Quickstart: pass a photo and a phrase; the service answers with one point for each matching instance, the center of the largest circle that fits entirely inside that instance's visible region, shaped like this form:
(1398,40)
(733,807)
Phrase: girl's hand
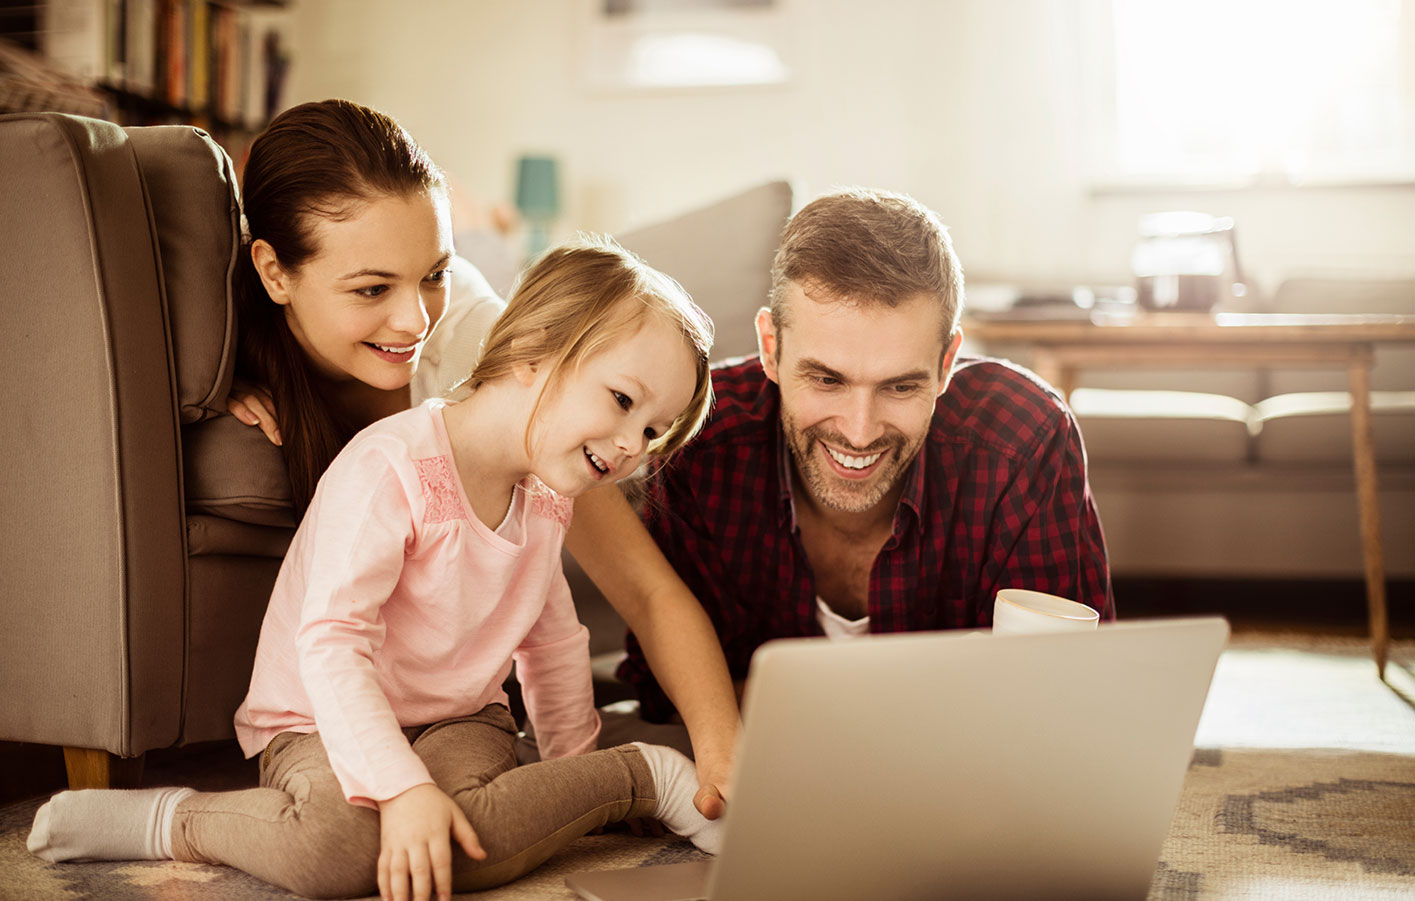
(253,406)
(713,789)
(413,844)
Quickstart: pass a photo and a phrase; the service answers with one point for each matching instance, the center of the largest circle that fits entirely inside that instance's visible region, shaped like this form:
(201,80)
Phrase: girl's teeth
(598,463)
(853,462)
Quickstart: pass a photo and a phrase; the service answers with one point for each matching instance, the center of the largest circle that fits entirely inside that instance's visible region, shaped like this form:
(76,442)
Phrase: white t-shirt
(453,348)
(836,626)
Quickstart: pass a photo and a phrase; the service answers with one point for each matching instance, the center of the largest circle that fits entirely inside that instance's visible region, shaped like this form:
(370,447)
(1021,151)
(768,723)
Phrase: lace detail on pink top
(440,490)
(545,502)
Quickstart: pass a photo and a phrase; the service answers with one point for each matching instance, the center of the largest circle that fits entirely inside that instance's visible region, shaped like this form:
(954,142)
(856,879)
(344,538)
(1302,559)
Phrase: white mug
(1017,611)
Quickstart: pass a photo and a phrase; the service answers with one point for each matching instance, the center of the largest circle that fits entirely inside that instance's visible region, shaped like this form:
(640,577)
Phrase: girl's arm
(553,666)
(618,554)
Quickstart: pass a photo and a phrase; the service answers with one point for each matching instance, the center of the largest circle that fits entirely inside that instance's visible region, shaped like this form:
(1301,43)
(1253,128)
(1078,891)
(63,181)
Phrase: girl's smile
(596,423)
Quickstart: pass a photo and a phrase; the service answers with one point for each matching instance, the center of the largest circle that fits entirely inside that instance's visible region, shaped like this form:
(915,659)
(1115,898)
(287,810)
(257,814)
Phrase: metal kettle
(1186,261)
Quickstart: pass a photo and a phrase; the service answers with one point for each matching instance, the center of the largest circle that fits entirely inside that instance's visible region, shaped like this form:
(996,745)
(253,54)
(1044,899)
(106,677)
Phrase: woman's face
(363,306)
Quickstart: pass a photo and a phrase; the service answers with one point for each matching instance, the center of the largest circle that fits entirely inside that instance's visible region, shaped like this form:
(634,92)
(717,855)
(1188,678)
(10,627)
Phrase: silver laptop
(946,764)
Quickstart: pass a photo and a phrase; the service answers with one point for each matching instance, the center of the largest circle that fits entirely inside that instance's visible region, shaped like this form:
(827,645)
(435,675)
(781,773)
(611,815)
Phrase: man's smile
(854,466)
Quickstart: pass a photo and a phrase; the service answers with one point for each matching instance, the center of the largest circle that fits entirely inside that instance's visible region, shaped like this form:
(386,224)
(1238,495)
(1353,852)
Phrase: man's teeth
(598,463)
(853,462)
(394,350)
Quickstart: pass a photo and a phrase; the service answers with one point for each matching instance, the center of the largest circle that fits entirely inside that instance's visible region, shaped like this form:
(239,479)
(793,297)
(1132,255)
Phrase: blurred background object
(538,199)
(1186,261)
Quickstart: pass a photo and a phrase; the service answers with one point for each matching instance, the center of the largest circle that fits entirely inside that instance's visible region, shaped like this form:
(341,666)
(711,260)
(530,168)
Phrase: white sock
(106,824)
(675,782)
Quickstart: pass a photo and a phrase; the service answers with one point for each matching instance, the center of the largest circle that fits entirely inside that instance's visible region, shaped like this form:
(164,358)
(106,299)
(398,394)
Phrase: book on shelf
(140,40)
(219,63)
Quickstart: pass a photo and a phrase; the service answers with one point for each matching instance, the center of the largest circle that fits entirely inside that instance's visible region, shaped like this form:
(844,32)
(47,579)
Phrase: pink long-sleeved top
(396,606)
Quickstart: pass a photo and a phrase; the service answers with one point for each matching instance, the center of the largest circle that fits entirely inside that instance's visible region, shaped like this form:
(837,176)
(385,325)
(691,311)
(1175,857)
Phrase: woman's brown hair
(314,160)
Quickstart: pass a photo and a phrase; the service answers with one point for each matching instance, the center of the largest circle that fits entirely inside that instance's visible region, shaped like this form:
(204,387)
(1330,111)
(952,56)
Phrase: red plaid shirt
(997,498)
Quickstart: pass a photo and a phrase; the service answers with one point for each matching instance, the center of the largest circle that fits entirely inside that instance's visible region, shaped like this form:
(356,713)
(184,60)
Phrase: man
(858,477)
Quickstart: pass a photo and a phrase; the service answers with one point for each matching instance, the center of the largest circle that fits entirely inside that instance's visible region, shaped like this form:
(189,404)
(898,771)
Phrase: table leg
(1369,506)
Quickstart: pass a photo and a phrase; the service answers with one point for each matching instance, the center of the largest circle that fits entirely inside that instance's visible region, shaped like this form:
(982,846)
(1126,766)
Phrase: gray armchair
(143,526)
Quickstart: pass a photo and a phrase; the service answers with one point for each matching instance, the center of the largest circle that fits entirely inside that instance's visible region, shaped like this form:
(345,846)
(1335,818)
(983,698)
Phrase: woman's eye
(372,291)
(437,277)
(622,399)
(650,433)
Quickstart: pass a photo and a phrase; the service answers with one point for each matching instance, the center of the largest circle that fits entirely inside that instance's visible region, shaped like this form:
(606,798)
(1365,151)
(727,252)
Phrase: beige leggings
(297,831)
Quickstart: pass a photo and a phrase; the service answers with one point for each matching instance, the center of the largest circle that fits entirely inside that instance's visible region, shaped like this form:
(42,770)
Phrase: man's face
(858,385)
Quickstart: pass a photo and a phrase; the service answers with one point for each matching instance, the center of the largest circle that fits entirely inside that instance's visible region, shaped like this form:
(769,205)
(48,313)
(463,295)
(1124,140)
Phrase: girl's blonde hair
(578,299)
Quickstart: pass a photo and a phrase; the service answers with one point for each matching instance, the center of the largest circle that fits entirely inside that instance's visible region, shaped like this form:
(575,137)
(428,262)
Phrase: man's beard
(840,494)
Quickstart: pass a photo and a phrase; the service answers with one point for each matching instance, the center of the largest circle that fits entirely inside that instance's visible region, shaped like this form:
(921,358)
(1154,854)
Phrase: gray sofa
(1247,473)
(130,612)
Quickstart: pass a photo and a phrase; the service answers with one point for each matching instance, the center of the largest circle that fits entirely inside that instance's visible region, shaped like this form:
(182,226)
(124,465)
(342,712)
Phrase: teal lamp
(538,199)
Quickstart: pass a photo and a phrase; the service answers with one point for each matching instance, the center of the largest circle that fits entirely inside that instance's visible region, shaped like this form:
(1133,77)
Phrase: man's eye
(622,399)
(827,381)
(909,388)
(372,291)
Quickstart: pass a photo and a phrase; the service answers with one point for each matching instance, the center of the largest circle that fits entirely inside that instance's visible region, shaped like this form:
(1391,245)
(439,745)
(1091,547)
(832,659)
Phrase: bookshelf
(216,64)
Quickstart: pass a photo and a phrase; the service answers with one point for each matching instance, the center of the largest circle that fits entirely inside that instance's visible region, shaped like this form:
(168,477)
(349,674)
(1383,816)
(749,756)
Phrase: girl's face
(595,424)
(365,304)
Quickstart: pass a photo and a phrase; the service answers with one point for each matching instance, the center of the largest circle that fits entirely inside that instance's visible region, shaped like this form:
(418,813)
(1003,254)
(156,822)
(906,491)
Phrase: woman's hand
(414,847)
(253,406)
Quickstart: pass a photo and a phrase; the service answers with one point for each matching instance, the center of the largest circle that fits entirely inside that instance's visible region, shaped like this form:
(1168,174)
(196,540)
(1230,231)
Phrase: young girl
(428,561)
(350,311)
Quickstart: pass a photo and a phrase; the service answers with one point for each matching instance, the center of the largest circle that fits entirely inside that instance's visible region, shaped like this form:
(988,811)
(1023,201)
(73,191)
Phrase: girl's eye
(372,291)
(437,277)
(650,433)
(622,400)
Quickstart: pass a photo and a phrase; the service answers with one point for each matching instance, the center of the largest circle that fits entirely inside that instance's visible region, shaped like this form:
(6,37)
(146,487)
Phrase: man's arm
(1050,536)
(617,553)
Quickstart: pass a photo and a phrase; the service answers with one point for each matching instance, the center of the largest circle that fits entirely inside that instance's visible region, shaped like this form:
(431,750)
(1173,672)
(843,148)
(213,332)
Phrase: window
(1256,91)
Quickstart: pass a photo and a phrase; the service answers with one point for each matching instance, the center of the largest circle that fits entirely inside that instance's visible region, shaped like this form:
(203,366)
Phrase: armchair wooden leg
(90,768)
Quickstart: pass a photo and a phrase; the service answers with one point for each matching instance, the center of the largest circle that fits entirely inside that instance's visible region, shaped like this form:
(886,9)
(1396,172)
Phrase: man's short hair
(868,247)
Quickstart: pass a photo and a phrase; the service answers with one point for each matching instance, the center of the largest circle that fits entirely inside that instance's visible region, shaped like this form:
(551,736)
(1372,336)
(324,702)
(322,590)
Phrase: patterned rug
(1302,787)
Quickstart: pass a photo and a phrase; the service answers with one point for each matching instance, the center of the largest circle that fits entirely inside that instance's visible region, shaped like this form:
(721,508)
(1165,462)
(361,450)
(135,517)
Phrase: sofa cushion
(1315,427)
(217,536)
(191,189)
(1169,426)
(232,471)
(722,254)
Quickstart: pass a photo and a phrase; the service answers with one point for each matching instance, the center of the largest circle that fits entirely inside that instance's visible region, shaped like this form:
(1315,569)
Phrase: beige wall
(971,105)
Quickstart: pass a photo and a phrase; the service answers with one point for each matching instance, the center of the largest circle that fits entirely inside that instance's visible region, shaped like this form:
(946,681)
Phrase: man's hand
(414,846)
(253,406)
